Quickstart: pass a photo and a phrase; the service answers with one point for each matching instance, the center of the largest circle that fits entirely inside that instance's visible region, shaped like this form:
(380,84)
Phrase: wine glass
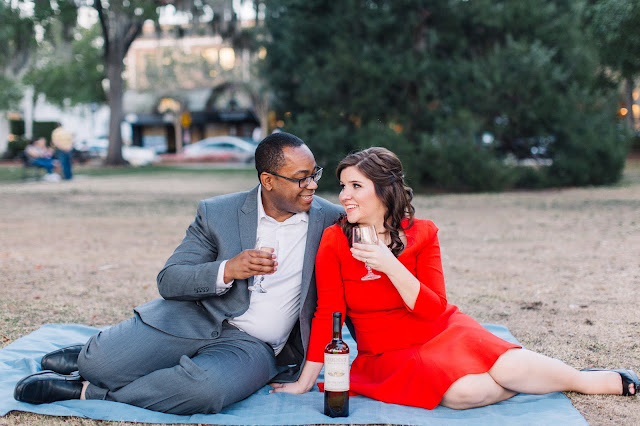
(366,235)
(269,245)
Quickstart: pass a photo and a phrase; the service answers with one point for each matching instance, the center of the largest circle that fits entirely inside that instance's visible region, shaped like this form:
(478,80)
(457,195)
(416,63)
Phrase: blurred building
(184,82)
(187,87)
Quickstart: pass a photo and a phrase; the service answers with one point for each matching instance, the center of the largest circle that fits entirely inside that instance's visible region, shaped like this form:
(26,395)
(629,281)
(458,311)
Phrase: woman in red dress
(414,348)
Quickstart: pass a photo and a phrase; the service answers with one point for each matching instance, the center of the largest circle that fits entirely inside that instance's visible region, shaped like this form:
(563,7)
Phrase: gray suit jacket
(223,227)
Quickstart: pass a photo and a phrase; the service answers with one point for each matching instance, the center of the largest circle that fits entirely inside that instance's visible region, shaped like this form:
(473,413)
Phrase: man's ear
(266,180)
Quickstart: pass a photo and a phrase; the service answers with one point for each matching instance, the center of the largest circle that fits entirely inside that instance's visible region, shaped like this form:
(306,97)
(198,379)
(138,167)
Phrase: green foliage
(17,42)
(461,165)
(615,26)
(11,93)
(526,177)
(46,31)
(16,146)
(429,78)
(16,38)
(57,20)
(72,79)
(588,150)
(454,158)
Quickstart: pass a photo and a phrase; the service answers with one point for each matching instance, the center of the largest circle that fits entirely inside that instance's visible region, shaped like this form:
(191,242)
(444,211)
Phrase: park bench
(30,170)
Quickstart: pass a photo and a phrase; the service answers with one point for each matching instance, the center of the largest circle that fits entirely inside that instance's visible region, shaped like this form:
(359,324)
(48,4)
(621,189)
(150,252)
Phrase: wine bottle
(336,372)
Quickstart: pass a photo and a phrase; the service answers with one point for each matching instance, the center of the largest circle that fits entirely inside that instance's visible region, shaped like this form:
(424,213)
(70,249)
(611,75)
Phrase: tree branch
(131,34)
(104,23)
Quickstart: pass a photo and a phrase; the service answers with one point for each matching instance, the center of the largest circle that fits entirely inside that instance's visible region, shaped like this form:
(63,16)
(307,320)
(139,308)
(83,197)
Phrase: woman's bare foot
(628,382)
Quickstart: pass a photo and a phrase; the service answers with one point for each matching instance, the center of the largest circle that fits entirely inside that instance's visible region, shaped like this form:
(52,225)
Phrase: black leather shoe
(48,386)
(63,361)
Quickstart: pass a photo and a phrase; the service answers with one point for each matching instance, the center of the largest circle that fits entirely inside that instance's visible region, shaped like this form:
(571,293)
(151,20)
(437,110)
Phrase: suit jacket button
(214,334)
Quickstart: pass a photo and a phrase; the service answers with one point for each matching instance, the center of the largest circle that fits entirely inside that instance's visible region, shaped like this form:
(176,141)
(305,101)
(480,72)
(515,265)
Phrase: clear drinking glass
(269,245)
(366,235)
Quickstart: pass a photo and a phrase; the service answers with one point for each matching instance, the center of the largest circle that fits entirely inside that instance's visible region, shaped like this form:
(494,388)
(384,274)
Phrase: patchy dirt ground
(560,269)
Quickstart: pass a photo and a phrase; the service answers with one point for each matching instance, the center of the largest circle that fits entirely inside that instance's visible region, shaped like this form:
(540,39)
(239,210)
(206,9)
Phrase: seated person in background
(39,155)
(414,347)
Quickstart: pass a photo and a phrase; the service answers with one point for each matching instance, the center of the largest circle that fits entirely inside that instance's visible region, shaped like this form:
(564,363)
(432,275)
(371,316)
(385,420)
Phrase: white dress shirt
(272,315)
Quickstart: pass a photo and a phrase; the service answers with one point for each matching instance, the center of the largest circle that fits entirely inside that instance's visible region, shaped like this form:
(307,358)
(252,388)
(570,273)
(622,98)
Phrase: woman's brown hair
(384,169)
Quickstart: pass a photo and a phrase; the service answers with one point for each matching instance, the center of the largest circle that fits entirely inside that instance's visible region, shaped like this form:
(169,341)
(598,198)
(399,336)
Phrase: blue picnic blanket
(22,357)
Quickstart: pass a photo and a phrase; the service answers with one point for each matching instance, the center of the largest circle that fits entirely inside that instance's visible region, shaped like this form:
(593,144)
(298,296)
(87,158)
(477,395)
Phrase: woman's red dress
(405,356)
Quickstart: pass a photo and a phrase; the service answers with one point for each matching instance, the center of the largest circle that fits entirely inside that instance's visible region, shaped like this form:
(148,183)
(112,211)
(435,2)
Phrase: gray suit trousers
(137,364)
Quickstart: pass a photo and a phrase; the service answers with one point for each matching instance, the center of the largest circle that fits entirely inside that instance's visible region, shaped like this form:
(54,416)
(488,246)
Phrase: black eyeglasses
(305,181)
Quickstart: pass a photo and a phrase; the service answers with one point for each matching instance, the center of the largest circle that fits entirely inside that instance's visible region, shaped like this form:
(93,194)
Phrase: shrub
(16,146)
(456,163)
(589,149)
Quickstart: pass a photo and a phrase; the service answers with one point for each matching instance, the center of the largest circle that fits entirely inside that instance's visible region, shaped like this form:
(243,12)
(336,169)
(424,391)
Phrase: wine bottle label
(336,372)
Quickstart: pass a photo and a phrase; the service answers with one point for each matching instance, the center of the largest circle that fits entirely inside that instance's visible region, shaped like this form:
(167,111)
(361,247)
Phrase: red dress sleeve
(432,298)
(330,290)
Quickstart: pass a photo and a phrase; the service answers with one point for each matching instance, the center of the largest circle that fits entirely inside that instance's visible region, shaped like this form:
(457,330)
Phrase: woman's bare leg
(85,384)
(525,371)
(474,390)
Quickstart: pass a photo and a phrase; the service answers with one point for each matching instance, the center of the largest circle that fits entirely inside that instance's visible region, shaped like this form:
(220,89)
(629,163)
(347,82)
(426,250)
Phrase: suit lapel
(314,233)
(248,222)
(248,218)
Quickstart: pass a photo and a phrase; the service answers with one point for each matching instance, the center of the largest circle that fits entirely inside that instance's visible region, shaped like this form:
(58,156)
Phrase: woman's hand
(376,256)
(305,382)
(380,258)
(295,387)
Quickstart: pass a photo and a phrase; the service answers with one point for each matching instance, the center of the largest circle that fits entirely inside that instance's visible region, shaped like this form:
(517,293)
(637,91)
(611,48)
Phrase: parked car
(139,156)
(93,148)
(220,149)
(134,155)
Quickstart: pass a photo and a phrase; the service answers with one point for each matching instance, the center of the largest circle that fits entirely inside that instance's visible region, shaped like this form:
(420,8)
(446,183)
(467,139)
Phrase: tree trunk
(628,88)
(261,107)
(4,131)
(115,56)
(119,32)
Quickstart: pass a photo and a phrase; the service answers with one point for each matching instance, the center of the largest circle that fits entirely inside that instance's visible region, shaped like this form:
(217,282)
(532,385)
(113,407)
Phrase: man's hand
(249,263)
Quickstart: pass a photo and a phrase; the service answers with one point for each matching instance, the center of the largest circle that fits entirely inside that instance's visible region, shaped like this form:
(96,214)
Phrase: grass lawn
(13,172)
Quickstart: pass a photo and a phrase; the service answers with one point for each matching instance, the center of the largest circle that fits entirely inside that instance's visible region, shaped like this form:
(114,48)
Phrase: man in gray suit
(210,341)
